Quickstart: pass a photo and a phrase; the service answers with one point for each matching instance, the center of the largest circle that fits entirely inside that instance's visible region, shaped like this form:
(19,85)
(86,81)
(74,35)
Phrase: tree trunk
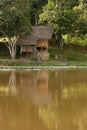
(61,41)
(13,52)
(36,19)
(12,47)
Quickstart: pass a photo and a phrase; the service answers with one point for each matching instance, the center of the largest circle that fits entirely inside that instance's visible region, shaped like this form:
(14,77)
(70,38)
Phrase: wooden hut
(36,42)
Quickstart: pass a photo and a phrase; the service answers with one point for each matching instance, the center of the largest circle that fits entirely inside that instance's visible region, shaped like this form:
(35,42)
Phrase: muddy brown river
(43,99)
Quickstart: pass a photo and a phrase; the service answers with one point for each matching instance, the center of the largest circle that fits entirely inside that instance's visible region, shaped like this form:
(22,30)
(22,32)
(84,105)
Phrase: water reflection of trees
(65,93)
(57,100)
(8,83)
(12,83)
(66,116)
(22,110)
(68,83)
(67,111)
(19,114)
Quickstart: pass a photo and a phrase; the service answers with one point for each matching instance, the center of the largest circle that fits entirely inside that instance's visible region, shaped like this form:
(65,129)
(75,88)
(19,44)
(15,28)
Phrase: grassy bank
(58,57)
(7,62)
(67,55)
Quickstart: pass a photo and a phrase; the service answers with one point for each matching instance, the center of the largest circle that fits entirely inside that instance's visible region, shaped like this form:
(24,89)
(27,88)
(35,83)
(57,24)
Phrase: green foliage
(82,40)
(36,6)
(48,14)
(14,17)
(67,18)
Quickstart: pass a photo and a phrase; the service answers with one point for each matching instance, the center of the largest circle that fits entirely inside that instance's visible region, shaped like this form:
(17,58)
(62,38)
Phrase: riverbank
(68,57)
(42,68)
(20,64)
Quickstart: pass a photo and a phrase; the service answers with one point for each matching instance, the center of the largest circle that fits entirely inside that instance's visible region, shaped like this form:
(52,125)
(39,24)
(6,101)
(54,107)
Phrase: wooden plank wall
(42,43)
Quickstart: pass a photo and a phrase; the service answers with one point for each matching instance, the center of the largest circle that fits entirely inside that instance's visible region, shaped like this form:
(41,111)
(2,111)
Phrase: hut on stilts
(36,43)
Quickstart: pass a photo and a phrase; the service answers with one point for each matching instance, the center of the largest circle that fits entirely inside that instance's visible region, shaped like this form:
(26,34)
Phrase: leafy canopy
(14,17)
(67,17)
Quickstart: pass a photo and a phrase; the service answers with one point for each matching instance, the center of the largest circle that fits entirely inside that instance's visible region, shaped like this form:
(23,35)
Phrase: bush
(82,41)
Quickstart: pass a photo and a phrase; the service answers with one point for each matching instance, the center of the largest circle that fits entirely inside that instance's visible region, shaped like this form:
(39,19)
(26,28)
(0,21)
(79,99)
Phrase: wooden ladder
(36,53)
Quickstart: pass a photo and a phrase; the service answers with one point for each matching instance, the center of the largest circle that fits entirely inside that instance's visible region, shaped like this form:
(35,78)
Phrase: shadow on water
(43,100)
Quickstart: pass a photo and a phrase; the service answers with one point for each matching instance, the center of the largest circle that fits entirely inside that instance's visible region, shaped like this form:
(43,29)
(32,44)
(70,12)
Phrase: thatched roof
(27,40)
(38,33)
(42,32)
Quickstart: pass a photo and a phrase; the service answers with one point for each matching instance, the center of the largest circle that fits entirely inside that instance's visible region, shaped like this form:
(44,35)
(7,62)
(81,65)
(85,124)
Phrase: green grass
(67,55)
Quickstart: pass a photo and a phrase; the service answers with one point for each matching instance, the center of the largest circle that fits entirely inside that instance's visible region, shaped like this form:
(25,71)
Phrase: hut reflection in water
(37,85)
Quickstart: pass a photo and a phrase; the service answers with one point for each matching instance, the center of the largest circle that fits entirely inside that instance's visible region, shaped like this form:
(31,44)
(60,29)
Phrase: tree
(65,18)
(80,30)
(14,19)
(36,6)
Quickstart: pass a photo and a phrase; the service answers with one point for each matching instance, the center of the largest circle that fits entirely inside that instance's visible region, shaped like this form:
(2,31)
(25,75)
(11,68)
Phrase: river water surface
(43,99)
